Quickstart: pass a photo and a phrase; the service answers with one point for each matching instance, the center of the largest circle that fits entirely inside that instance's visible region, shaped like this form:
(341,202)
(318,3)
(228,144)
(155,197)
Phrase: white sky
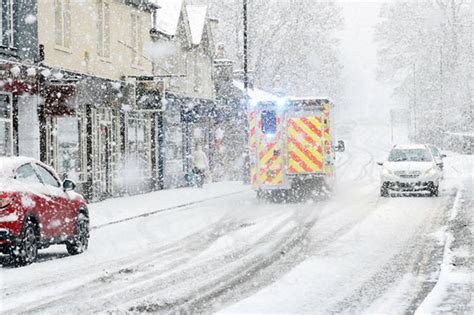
(364,96)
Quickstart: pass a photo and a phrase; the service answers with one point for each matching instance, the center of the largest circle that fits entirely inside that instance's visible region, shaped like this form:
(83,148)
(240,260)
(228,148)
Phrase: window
(7,23)
(6,125)
(137,44)
(103,28)
(62,23)
(26,174)
(412,155)
(269,122)
(46,177)
(138,144)
(173,140)
(68,143)
(435,151)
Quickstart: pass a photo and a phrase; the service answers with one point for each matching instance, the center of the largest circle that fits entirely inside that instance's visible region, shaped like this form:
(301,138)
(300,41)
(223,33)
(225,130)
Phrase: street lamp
(246,179)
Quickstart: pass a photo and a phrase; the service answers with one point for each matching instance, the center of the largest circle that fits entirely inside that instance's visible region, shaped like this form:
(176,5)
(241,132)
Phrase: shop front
(19,125)
(84,138)
(187,122)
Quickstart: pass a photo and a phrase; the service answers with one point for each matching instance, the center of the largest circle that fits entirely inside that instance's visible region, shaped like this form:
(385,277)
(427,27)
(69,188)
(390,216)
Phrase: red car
(37,209)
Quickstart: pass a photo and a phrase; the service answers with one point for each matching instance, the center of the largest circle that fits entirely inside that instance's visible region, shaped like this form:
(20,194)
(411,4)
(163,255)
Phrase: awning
(58,99)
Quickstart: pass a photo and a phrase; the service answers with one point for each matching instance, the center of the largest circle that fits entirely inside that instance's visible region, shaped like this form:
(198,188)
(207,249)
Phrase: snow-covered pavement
(223,250)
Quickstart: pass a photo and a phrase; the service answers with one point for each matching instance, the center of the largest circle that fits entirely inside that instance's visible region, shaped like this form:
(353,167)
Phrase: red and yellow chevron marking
(270,159)
(327,137)
(253,174)
(305,151)
(252,132)
(253,148)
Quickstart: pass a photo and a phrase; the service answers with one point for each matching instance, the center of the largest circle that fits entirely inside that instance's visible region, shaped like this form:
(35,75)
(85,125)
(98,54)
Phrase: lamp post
(246,174)
(245,37)
(414,103)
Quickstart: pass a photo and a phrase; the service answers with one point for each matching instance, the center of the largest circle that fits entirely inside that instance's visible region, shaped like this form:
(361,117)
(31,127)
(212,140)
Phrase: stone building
(183,54)
(91,53)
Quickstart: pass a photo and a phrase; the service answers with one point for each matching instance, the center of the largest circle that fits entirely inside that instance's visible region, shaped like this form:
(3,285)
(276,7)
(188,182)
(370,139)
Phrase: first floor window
(103,28)
(6,126)
(62,23)
(137,43)
(7,23)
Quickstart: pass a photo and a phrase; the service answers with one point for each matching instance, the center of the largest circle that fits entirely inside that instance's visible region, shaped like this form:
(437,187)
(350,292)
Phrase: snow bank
(122,208)
(451,277)
(436,296)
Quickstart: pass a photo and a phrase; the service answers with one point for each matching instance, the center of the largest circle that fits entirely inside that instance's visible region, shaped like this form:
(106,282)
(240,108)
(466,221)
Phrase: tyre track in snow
(253,269)
(246,284)
(124,266)
(258,274)
(97,269)
(160,250)
(416,259)
(249,262)
(242,289)
(262,274)
(147,273)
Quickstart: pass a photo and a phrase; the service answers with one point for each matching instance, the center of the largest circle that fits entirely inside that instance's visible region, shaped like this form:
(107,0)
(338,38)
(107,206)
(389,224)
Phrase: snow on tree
(292,44)
(426,52)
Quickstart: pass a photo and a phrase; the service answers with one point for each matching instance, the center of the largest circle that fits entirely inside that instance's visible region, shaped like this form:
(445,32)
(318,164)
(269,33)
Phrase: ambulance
(292,146)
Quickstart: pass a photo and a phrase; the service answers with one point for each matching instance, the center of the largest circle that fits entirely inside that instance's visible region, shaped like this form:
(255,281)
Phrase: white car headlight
(431,171)
(386,171)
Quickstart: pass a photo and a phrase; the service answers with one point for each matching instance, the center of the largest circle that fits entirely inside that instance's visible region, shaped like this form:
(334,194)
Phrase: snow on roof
(8,165)
(410,146)
(167,17)
(197,18)
(255,93)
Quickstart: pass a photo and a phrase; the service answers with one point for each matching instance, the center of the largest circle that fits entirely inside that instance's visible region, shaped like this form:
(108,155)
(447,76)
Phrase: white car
(410,168)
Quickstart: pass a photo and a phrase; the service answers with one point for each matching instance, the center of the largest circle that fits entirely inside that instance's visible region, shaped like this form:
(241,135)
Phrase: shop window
(7,22)
(6,126)
(68,147)
(62,23)
(173,146)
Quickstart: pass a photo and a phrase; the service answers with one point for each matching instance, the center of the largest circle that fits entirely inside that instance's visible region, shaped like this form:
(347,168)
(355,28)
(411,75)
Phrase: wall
(191,68)
(83,55)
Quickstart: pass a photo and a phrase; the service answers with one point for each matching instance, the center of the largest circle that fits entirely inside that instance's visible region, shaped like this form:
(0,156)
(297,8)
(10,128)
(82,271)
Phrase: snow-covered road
(351,253)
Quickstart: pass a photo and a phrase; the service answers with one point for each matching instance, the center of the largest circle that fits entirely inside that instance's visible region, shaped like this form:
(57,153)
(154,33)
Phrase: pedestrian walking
(200,165)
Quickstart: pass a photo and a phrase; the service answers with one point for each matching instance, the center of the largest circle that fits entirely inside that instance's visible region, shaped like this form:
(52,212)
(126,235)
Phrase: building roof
(167,17)
(197,19)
